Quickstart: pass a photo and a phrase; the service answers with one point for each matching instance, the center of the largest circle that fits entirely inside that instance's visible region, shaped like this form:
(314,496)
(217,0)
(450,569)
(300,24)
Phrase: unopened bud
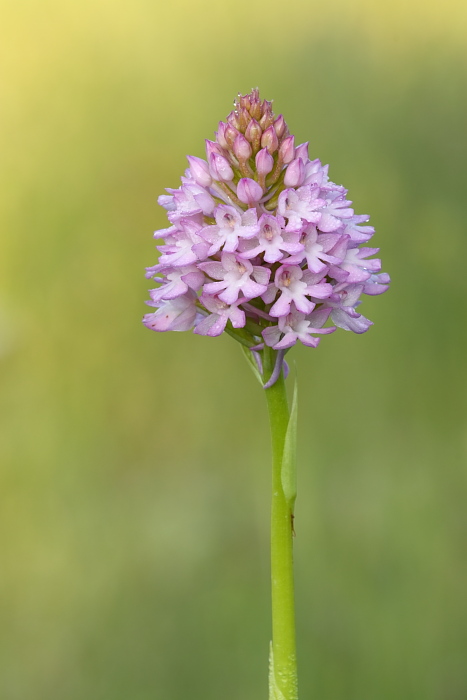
(244,101)
(295,173)
(220,135)
(266,120)
(241,148)
(220,168)
(245,119)
(234,120)
(269,140)
(255,109)
(264,162)
(230,135)
(254,94)
(213,147)
(302,151)
(287,150)
(248,191)
(200,171)
(253,134)
(280,126)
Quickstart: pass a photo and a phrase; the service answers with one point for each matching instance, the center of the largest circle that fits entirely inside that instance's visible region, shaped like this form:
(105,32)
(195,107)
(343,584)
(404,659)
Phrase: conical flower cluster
(261,244)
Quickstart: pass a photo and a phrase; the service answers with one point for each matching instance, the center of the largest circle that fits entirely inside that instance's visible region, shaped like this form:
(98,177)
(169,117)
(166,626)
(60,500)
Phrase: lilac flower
(320,249)
(221,313)
(377,284)
(357,266)
(177,250)
(358,234)
(230,226)
(177,282)
(261,240)
(235,276)
(297,326)
(295,286)
(272,240)
(189,199)
(335,210)
(302,205)
(343,314)
(175,315)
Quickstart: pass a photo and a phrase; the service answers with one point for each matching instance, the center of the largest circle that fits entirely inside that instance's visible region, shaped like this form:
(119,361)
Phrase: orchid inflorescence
(262,245)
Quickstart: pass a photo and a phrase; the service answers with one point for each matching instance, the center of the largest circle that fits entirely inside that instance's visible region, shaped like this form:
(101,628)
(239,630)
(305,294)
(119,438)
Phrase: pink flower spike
(264,162)
(295,173)
(200,171)
(248,191)
(287,150)
(259,232)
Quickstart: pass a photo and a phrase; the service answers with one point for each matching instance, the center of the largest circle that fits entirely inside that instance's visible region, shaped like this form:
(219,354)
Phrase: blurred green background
(135,466)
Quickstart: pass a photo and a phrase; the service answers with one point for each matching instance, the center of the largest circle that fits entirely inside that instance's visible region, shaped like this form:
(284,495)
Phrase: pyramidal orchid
(262,245)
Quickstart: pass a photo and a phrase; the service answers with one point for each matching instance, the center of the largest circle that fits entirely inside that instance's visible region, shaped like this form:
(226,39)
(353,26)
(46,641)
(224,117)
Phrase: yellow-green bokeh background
(134,466)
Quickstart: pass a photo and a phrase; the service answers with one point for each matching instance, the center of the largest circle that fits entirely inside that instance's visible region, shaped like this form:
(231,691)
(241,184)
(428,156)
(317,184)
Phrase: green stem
(283,685)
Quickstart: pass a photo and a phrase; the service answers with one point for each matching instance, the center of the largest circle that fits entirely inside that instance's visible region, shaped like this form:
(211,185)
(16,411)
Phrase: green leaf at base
(274,692)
